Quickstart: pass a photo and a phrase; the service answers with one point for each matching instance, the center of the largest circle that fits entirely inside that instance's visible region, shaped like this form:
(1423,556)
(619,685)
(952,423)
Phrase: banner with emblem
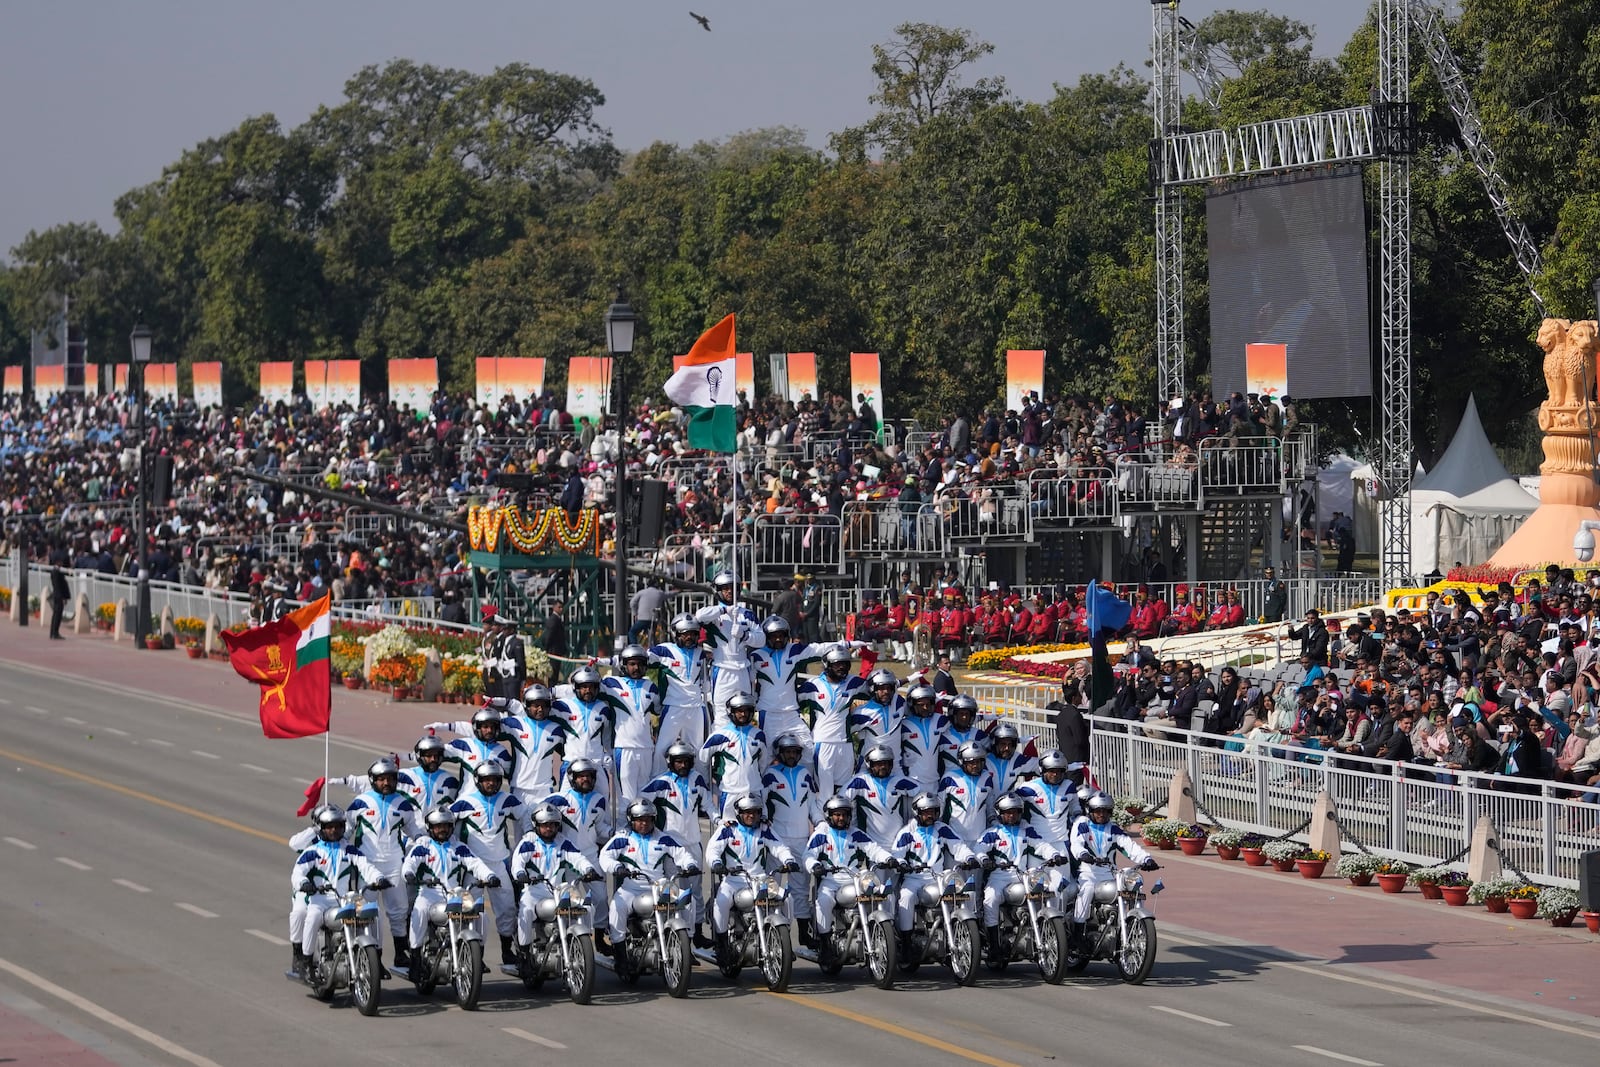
(288,659)
(501,376)
(1024,375)
(588,388)
(206,383)
(412,383)
(277,382)
(802,376)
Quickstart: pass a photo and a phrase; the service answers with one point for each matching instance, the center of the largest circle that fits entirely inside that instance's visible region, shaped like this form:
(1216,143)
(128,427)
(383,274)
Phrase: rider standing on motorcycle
(827,699)
(1007,848)
(541,857)
(1094,843)
(878,719)
(482,745)
(685,671)
(835,844)
(588,714)
(636,706)
(927,841)
(794,806)
(961,727)
(447,864)
(1052,799)
(736,753)
(919,737)
(382,819)
(429,783)
(777,669)
(326,871)
(636,856)
(736,852)
(879,795)
(1009,759)
(490,820)
(731,631)
(968,790)
(535,741)
(682,798)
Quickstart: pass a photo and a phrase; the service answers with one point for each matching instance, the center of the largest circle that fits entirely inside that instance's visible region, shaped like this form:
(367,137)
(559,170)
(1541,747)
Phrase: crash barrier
(1398,810)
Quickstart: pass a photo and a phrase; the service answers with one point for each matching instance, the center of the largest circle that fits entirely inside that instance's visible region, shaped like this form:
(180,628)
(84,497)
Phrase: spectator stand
(529,557)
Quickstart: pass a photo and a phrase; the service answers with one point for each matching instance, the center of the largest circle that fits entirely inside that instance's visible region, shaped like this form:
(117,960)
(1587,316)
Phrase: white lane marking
(89,1007)
(135,886)
(535,1038)
(74,864)
(253,767)
(1315,1051)
(1189,1015)
(204,755)
(114,730)
(5,702)
(74,720)
(20,843)
(193,910)
(37,710)
(268,938)
(158,741)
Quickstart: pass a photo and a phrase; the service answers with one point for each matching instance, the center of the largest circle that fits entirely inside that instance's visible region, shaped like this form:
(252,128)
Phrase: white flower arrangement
(538,663)
(391,641)
(1282,849)
(1501,887)
(1354,864)
(1556,902)
(1227,838)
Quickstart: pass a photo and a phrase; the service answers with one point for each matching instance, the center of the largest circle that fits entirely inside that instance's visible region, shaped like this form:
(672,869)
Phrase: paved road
(142,907)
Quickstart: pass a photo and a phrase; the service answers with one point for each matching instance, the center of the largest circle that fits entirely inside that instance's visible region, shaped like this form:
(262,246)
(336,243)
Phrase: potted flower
(1558,905)
(1392,875)
(192,646)
(1250,850)
(1359,867)
(1130,809)
(1282,853)
(1192,839)
(1162,833)
(1427,880)
(1591,919)
(1453,888)
(1227,843)
(1312,862)
(1523,901)
(1492,893)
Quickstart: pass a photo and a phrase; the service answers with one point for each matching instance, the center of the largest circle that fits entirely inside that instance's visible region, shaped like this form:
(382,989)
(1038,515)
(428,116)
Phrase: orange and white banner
(13,383)
(866,383)
(48,382)
(161,381)
(588,388)
(515,376)
(802,376)
(207,384)
(412,382)
(1266,369)
(744,373)
(1024,375)
(277,382)
(331,382)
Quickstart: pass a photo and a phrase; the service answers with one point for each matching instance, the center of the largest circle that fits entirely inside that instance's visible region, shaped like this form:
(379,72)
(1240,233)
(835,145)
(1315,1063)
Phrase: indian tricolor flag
(704,386)
(288,659)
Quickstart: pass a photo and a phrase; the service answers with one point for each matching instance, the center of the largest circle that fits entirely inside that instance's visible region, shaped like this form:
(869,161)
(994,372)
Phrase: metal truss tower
(1166,103)
(1392,107)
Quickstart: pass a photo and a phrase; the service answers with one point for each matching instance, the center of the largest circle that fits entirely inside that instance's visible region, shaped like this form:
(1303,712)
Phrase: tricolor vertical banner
(866,384)
(502,376)
(316,371)
(277,382)
(1266,369)
(13,381)
(207,384)
(412,382)
(802,376)
(48,382)
(288,659)
(588,387)
(161,381)
(343,383)
(1024,375)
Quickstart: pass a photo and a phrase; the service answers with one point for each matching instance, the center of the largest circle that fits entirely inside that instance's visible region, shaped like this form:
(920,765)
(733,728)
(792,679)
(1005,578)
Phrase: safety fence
(1407,811)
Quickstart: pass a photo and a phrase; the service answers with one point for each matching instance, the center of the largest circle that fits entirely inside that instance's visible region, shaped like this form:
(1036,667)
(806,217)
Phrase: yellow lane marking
(891,1028)
(160,802)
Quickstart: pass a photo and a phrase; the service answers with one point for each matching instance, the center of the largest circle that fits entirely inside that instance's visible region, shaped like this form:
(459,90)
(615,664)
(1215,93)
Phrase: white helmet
(878,753)
(747,804)
(925,802)
(970,751)
(440,816)
(383,766)
(1010,802)
(1101,802)
(724,580)
(545,815)
(489,768)
(585,676)
(882,678)
(1054,760)
(634,652)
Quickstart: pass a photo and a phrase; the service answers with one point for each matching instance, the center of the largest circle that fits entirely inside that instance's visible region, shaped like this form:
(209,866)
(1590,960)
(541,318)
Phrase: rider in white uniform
(738,851)
(794,806)
(827,699)
(929,841)
(835,844)
(447,863)
(326,871)
(685,667)
(731,632)
(381,819)
(543,855)
(636,704)
(490,821)
(1007,848)
(636,855)
(1094,843)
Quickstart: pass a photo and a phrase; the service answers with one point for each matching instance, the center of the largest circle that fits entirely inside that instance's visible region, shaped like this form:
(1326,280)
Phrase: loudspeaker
(649,528)
(1589,881)
(160,481)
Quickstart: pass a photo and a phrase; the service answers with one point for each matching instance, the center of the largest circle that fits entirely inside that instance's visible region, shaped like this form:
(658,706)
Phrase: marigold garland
(533,533)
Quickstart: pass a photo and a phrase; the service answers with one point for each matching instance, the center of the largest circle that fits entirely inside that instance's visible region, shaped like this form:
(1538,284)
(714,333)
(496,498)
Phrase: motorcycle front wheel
(365,988)
(777,957)
(580,967)
(880,953)
(965,939)
(675,964)
(1137,953)
(468,979)
(1051,954)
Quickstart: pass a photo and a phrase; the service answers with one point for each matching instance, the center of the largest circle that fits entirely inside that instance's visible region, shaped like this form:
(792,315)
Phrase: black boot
(993,935)
(1078,939)
(701,938)
(724,950)
(402,953)
(297,968)
(602,943)
(508,949)
(905,946)
(807,932)
(383,972)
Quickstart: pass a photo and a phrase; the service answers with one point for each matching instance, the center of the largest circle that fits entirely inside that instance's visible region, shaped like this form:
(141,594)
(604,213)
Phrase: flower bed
(990,659)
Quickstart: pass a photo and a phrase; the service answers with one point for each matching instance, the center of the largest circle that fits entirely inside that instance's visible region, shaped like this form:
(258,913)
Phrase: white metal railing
(1409,811)
(1239,465)
(1160,484)
(1085,499)
(881,527)
(798,542)
(991,511)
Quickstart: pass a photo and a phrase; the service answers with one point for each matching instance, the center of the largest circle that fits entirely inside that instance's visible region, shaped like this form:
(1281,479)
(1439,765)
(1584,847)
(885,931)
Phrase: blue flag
(1106,610)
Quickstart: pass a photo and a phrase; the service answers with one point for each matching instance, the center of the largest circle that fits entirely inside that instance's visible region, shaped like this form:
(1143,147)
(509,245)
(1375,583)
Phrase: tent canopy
(1468,505)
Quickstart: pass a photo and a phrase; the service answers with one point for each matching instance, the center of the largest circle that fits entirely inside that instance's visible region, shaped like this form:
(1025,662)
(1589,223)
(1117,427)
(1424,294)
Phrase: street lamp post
(140,341)
(620,321)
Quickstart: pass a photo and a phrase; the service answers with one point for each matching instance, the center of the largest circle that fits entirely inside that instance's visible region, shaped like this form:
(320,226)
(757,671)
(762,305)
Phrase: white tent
(1468,505)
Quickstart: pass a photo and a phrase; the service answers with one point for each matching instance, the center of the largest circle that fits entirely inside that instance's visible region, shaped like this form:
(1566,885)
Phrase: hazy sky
(96,97)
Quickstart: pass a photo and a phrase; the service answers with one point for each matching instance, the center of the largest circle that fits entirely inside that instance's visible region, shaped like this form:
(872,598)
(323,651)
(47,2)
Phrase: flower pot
(1364,878)
(399,693)
(1392,883)
(1169,845)
(153,644)
(1253,857)
(1564,920)
(1497,905)
(1192,846)
(1591,919)
(1135,812)
(1283,866)
(353,682)
(1524,907)
(1430,890)
(1454,895)
(195,651)
(1311,868)
(1228,852)
(1149,843)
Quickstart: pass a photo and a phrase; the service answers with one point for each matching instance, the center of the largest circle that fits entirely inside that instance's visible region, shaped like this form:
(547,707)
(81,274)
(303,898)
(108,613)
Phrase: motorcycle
(758,931)
(1120,928)
(347,953)
(453,948)
(863,927)
(944,924)
(1031,925)
(563,939)
(657,937)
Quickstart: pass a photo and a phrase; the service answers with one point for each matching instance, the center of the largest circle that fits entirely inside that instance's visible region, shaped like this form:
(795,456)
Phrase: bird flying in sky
(705,23)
